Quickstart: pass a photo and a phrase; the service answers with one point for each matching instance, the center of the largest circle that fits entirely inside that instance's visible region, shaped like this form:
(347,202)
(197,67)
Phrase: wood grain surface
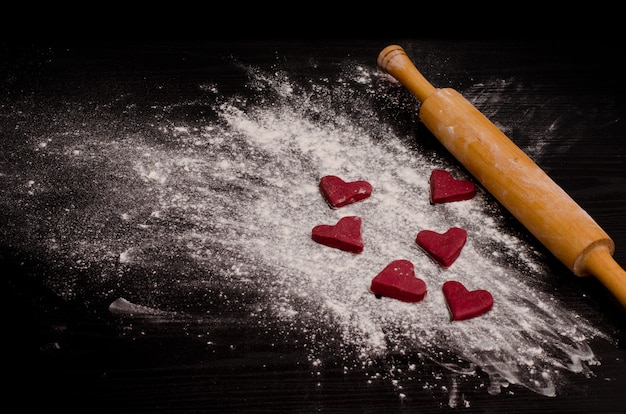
(78,119)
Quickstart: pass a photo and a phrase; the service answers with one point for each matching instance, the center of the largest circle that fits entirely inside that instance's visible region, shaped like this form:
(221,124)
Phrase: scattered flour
(238,197)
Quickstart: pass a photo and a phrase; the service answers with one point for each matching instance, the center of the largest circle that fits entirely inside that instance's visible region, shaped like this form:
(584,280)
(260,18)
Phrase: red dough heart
(465,304)
(397,280)
(345,235)
(339,193)
(444,188)
(442,248)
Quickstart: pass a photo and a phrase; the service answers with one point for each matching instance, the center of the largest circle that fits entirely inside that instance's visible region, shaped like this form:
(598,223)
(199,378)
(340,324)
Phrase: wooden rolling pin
(521,186)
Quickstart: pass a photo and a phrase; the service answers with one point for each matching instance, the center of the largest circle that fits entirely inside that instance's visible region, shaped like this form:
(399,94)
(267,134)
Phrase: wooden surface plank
(90,128)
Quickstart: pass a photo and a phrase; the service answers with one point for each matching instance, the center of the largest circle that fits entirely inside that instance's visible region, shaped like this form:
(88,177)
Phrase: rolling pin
(509,175)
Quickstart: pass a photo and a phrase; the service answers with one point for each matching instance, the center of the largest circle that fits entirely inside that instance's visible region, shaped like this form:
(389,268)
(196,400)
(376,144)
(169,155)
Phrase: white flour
(239,196)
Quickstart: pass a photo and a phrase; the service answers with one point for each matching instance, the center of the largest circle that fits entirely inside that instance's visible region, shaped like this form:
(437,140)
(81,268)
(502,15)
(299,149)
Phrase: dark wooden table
(127,173)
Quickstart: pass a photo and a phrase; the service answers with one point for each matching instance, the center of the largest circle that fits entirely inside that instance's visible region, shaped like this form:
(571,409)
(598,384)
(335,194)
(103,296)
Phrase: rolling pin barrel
(519,184)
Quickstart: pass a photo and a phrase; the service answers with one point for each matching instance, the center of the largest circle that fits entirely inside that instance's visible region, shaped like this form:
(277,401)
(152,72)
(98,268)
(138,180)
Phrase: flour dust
(235,196)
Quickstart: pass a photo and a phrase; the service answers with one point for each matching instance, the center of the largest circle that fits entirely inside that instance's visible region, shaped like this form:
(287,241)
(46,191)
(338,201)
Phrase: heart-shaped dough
(339,193)
(465,304)
(444,188)
(397,280)
(345,235)
(442,248)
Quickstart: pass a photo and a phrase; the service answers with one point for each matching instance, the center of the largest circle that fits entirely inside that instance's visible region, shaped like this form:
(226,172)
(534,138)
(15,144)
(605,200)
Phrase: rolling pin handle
(394,61)
(599,263)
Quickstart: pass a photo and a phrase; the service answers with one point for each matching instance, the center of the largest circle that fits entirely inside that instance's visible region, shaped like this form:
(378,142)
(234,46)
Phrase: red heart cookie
(465,304)
(444,188)
(442,248)
(345,235)
(397,280)
(339,193)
